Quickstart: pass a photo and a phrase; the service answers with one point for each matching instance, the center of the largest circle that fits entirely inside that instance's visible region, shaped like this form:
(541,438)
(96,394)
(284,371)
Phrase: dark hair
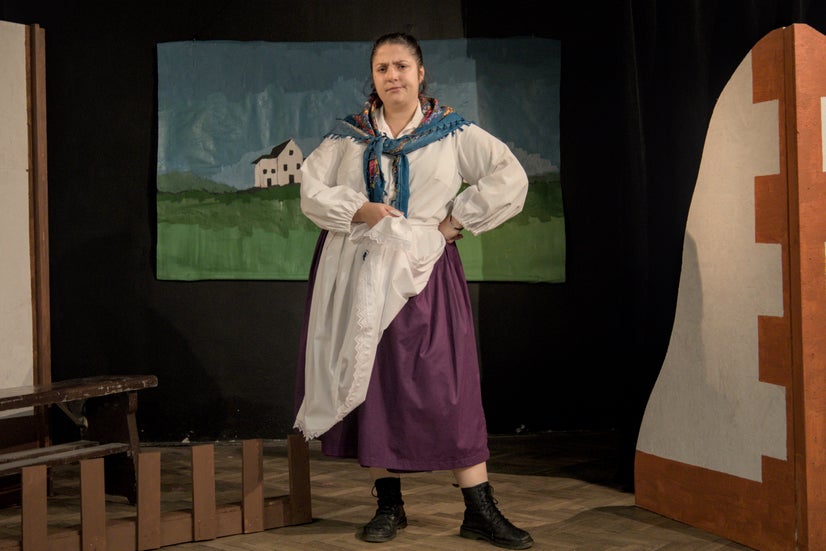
(403,39)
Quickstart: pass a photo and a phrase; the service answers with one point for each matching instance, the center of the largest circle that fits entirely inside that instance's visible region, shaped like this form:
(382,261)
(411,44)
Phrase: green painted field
(262,234)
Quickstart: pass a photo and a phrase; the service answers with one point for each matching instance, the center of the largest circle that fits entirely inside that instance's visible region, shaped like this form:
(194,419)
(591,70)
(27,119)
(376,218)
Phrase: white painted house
(280,167)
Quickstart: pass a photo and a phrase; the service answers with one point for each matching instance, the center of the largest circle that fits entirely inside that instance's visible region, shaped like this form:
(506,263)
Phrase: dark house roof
(276,151)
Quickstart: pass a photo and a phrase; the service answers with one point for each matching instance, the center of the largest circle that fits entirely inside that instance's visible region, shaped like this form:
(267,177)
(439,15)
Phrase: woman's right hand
(372,213)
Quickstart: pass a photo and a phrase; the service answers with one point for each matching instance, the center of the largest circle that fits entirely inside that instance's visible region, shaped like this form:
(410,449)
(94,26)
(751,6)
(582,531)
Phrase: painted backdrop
(236,119)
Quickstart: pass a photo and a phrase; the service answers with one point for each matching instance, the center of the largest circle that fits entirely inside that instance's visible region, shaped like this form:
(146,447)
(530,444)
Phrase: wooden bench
(106,421)
(59,454)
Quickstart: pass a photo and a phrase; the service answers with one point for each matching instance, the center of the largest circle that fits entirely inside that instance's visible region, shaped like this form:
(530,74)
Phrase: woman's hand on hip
(449,229)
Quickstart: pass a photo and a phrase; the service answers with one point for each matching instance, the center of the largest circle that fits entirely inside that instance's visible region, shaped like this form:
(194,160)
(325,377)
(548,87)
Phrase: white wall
(708,407)
(16,314)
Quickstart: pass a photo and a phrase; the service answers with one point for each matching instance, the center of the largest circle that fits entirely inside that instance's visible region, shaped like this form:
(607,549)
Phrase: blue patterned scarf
(439,121)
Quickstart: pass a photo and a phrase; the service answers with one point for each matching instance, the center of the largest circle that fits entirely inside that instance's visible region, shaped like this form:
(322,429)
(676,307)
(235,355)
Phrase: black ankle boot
(484,521)
(390,514)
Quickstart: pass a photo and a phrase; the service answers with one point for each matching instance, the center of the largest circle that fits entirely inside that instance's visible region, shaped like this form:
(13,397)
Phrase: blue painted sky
(222,104)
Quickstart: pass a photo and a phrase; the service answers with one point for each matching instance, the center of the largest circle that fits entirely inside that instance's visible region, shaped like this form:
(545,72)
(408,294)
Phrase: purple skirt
(423,410)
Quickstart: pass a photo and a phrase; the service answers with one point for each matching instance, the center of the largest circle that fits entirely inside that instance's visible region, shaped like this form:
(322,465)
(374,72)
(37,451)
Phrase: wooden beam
(92,505)
(203,492)
(149,501)
(35,526)
(253,485)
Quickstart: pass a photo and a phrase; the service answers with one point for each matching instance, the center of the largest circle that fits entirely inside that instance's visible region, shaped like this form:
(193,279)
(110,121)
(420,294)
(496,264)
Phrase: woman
(388,371)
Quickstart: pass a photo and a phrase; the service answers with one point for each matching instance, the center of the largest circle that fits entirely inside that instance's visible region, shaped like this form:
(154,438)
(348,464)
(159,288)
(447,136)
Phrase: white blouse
(366,275)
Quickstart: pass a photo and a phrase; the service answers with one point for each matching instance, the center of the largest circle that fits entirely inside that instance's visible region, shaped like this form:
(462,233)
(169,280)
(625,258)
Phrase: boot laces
(387,505)
(492,512)
(387,509)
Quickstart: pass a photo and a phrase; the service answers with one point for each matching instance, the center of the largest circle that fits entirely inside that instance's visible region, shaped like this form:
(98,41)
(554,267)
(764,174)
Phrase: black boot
(390,514)
(483,521)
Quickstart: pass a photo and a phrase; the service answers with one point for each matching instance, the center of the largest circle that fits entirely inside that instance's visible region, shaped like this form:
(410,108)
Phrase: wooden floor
(558,486)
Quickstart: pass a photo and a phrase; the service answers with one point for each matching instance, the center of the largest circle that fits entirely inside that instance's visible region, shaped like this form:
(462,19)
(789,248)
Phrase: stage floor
(560,486)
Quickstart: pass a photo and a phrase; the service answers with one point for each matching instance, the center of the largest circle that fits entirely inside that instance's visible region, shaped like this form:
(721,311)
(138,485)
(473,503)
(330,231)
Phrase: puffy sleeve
(326,200)
(497,181)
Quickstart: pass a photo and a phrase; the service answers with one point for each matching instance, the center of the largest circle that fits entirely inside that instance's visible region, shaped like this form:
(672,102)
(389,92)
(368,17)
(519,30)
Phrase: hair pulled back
(403,39)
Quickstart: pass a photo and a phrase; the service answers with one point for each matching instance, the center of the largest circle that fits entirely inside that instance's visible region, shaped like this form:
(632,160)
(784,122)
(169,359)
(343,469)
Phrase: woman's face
(396,76)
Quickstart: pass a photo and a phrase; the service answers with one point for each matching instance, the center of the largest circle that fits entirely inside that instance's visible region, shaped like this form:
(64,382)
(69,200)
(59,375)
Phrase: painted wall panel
(732,437)
(16,314)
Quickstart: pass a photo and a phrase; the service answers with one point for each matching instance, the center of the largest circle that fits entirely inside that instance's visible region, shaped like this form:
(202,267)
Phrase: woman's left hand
(450,232)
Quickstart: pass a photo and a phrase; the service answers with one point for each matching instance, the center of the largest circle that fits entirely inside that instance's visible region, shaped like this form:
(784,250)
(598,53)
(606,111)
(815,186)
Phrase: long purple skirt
(423,410)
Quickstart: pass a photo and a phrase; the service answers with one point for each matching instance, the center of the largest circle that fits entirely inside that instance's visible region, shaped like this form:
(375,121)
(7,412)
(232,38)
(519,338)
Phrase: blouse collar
(383,127)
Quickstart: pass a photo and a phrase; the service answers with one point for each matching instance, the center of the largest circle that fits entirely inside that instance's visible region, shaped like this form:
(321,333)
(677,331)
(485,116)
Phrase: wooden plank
(120,534)
(34,521)
(92,505)
(113,397)
(149,501)
(39,212)
(807,200)
(9,545)
(153,529)
(721,503)
(11,456)
(298,460)
(228,520)
(176,527)
(71,390)
(203,492)
(276,512)
(18,430)
(64,540)
(63,457)
(253,485)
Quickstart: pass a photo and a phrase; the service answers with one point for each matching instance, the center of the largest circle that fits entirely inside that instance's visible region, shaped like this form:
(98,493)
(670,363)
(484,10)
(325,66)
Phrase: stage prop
(16,361)
(26,389)
(103,407)
(25,339)
(236,120)
(732,439)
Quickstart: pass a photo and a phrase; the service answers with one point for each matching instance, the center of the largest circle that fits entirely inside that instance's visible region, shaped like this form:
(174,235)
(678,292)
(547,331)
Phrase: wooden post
(253,486)
(149,501)
(203,492)
(34,524)
(298,461)
(92,505)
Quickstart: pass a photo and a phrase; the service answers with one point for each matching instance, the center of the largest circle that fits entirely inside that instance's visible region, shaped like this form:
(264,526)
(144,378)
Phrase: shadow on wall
(101,324)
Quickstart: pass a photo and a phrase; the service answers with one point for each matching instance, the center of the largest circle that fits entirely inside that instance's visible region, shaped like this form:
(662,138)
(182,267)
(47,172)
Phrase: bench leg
(112,419)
